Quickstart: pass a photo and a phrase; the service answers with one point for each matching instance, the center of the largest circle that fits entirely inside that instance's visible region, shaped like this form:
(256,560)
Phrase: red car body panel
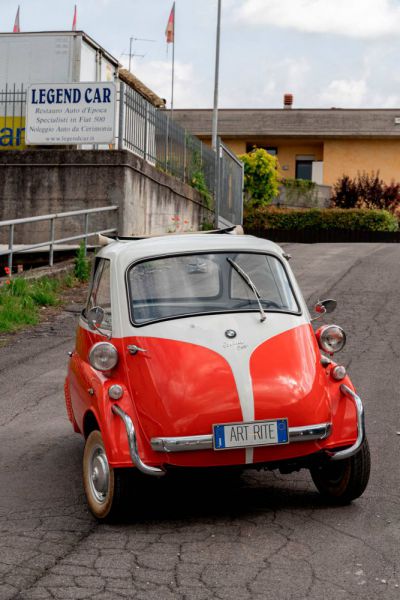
(182,389)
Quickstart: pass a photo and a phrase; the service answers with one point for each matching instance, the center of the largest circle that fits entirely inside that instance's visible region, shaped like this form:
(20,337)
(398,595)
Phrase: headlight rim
(92,360)
(320,337)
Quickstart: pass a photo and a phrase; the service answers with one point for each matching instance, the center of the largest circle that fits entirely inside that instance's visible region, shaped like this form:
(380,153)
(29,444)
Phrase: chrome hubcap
(99,475)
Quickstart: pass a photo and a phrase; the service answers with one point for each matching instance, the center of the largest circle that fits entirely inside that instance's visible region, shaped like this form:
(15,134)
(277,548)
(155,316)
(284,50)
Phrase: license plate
(245,435)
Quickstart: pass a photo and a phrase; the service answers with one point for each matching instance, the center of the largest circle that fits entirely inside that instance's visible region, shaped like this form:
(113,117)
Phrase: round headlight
(331,338)
(103,356)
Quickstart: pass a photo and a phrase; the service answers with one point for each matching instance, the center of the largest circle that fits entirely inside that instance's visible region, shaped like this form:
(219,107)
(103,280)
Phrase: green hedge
(315,219)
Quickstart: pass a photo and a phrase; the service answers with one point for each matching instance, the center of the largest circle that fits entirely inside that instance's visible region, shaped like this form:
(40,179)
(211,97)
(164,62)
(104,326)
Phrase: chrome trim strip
(312,432)
(346,391)
(182,444)
(130,431)
(205,442)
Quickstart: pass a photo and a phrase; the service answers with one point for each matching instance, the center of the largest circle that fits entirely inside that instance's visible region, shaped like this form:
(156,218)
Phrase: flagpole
(173,68)
(216,81)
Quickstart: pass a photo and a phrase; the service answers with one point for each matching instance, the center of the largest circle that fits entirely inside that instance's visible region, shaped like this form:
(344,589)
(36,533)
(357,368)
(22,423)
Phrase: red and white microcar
(197,350)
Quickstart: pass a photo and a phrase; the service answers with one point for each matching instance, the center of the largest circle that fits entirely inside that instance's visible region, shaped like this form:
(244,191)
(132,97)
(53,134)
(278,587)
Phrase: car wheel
(344,480)
(104,486)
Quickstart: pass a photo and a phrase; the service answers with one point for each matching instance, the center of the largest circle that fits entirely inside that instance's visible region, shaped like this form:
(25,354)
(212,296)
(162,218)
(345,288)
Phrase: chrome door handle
(135,349)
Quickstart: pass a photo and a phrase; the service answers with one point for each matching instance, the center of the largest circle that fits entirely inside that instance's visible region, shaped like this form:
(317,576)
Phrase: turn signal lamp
(115,391)
(338,372)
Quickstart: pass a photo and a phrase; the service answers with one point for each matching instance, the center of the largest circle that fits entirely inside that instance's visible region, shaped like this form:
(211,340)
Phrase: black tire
(344,480)
(105,499)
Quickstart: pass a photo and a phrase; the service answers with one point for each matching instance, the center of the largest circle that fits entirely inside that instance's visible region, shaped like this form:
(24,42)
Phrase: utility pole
(216,81)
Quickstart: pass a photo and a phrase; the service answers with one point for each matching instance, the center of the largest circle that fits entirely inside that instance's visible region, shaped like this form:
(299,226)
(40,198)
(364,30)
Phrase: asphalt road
(264,536)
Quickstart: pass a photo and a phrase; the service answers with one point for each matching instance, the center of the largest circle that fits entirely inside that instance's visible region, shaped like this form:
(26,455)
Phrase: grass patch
(21,300)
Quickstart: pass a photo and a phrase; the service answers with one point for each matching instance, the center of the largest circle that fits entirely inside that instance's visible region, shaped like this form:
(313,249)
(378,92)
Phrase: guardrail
(52,218)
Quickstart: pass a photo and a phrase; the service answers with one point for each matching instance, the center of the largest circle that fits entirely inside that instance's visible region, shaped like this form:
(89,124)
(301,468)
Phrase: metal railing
(158,139)
(12,117)
(230,188)
(52,218)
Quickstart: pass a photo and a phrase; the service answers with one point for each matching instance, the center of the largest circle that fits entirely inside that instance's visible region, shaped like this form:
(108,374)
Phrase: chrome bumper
(205,442)
(130,431)
(341,454)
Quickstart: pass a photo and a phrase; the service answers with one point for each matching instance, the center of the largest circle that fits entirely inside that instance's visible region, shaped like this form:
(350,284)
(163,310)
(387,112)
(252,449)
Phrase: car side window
(100,294)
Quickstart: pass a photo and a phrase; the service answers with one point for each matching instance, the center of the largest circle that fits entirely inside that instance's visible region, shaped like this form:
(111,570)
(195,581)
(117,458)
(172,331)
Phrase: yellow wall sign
(12,133)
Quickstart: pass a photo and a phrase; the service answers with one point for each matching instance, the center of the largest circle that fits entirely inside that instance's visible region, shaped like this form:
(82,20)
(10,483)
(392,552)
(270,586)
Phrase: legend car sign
(70,113)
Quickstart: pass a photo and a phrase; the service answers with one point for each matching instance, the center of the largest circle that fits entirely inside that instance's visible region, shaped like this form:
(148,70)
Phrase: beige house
(316,144)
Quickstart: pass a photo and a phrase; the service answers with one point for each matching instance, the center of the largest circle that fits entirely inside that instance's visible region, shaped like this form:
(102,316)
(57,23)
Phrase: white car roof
(127,251)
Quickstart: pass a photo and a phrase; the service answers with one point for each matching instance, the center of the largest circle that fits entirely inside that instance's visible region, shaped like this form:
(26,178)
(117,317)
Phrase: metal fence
(53,240)
(12,117)
(154,136)
(230,192)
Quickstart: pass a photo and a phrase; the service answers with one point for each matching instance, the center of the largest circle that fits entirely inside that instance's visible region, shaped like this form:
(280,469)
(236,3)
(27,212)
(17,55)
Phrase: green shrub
(314,219)
(198,182)
(300,192)
(82,264)
(261,178)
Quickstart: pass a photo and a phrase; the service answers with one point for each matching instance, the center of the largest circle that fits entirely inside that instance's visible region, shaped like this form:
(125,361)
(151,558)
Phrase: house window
(273,150)
(304,167)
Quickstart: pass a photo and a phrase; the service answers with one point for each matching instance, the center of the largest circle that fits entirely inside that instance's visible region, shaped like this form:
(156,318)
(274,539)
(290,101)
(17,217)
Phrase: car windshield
(177,286)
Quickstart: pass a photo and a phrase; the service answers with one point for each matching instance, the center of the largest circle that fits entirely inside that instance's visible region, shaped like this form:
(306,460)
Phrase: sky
(342,53)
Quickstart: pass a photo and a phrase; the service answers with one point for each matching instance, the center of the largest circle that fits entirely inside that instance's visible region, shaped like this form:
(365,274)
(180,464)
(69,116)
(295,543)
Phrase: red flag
(16,28)
(170,31)
(74,19)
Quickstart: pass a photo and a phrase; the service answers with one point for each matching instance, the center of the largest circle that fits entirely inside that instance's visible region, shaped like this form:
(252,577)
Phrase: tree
(261,177)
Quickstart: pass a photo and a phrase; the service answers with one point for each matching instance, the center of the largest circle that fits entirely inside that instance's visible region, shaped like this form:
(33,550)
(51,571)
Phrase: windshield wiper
(251,285)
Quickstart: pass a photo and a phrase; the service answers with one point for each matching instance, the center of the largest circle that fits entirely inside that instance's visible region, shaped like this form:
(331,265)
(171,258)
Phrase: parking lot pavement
(260,536)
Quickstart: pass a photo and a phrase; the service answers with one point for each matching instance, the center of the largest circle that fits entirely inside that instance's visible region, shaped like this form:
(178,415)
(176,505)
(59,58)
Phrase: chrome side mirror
(95,317)
(324,307)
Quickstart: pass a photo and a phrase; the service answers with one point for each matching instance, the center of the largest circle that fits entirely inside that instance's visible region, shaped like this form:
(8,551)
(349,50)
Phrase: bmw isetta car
(197,350)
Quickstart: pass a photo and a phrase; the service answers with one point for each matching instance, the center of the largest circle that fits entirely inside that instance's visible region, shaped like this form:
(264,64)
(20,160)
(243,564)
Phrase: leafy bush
(300,192)
(345,193)
(261,178)
(366,191)
(198,182)
(263,218)
(195,172)
(82,264)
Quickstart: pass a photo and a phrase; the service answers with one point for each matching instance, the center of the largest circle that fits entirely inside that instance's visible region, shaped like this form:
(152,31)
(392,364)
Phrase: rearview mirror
(324,307)
(95,317)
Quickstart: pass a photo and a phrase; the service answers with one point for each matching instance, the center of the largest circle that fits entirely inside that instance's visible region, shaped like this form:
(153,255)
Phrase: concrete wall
(37,182)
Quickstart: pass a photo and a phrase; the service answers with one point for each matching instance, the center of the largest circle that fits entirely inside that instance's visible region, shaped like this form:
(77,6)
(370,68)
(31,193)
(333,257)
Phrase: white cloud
(272,81)
(353,18)
(188,86)
(345,93)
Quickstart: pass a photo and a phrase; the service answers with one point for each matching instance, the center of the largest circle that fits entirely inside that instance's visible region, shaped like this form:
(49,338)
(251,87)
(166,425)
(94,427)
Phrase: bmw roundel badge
(230,333)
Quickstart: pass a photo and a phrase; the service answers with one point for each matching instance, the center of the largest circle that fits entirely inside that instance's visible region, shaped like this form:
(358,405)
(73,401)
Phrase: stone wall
(37,182)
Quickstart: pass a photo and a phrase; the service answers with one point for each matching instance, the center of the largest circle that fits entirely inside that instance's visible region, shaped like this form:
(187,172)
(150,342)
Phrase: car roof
(127,251)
